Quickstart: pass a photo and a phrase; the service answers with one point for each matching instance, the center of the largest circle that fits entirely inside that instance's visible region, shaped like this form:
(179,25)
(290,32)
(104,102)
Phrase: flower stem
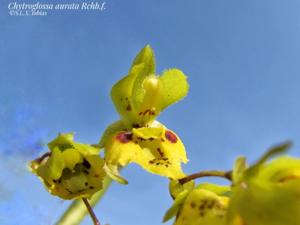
(41,158)
(77,210)
(207,173)
(91,211)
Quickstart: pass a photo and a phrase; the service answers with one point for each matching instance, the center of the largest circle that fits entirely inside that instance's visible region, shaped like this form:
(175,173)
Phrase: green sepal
(175,187)
(261,202)
(276,150)
(54,166)
(282,169)
(86,149)
(62,141)
(239,168)
(269,189)
(174,209)
(145,56)
(128,92)
(121,94)
(113,172)
(147,59)
(203,207)
(220,190)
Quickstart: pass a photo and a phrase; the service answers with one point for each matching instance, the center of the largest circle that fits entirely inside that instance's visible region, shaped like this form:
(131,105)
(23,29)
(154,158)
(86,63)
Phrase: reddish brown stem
(41,158)
(91,211)
(208,173)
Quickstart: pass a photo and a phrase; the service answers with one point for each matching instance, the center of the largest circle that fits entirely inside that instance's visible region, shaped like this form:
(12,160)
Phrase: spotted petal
(157,150)
(203,207)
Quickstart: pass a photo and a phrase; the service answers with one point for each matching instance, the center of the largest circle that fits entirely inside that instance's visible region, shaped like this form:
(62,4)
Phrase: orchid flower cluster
(264,193)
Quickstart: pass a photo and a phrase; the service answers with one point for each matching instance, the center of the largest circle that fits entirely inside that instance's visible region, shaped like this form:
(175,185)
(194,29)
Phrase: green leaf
(175,87)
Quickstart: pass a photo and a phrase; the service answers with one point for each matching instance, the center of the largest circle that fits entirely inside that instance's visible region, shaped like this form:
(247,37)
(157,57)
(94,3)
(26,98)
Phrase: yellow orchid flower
(70,170)
(137,138)
(270,190)
(206,204)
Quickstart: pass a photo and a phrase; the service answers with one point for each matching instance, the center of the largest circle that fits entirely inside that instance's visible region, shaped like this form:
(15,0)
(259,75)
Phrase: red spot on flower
(124,137)
(146,111)
(171,137)
(160,152)
(128,108)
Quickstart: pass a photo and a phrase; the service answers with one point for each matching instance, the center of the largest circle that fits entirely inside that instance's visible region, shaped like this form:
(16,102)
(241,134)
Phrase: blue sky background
(242,60)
